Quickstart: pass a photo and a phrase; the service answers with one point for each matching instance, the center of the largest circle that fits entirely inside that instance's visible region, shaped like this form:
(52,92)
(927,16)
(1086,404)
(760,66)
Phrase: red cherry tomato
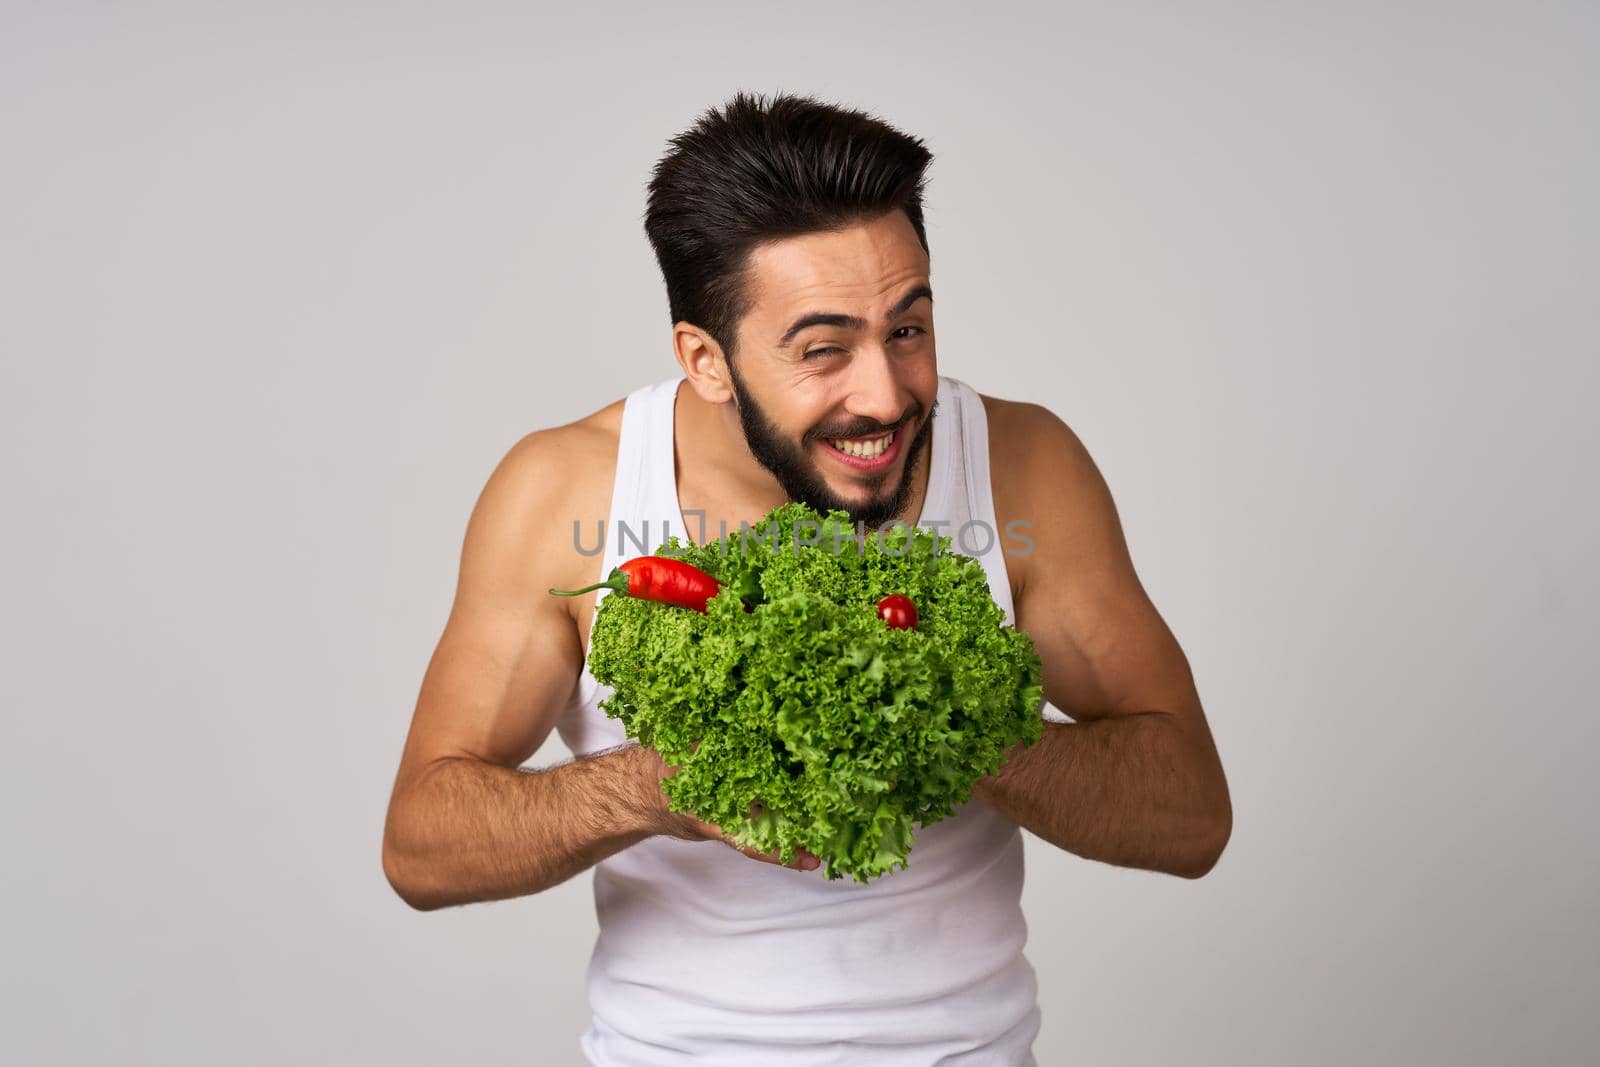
(898,612)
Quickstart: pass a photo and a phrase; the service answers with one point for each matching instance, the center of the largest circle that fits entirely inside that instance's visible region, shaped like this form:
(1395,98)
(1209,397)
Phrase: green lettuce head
(845,733)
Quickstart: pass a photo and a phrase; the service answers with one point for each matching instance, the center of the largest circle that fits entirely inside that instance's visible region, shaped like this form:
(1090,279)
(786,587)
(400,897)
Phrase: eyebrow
(854,322)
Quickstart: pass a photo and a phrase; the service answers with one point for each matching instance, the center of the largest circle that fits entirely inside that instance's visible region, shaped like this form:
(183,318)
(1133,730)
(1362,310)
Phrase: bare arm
(472,831)
(1135,780)
(465,822)
(1121,790)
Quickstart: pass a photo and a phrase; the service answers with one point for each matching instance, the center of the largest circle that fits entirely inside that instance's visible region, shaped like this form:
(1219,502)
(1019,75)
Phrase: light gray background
(1315,285)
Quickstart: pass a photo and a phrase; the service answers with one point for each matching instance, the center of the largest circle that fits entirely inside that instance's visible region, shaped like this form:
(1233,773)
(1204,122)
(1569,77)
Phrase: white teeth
(864,449)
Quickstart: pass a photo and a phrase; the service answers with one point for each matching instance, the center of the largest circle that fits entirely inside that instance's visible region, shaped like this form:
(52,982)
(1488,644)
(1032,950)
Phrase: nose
(875,391)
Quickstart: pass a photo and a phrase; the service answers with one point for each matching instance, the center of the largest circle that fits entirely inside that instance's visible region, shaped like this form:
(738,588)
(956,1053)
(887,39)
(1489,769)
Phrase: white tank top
(706,956)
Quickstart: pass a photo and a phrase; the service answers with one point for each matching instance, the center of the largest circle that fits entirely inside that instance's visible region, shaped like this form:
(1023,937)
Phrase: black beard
(797,474)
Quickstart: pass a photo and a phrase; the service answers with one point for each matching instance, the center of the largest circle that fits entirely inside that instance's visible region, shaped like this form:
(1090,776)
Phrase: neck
(712,435)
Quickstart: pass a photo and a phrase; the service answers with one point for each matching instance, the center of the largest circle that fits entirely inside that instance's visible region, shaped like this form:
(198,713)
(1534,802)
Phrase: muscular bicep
(496,684)
(1105,648)
(509,656)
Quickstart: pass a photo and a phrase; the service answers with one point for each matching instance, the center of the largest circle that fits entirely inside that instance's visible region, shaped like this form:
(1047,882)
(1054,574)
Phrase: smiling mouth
(863,447)
(867,456)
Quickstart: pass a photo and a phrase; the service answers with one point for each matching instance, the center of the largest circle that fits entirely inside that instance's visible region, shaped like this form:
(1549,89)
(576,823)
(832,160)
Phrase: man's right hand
(688,828)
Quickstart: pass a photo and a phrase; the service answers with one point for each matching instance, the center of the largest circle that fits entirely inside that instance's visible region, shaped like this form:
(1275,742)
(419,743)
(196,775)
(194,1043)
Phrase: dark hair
(758,170)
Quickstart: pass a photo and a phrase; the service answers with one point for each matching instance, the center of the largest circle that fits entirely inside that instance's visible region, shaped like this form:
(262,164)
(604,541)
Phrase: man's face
(834,372)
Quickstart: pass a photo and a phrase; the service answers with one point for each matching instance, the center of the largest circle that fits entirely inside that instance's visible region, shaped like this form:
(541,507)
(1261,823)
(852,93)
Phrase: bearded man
(790,235)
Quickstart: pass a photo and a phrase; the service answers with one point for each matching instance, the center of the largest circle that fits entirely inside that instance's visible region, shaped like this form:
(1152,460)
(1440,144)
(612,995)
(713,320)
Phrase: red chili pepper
(898,612)
(659,578)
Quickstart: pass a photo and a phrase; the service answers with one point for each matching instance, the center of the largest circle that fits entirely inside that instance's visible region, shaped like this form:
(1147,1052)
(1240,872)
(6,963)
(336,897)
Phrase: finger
(803,860)
(764,857)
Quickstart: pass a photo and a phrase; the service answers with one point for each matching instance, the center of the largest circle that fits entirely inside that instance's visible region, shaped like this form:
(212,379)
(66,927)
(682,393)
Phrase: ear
(703,363)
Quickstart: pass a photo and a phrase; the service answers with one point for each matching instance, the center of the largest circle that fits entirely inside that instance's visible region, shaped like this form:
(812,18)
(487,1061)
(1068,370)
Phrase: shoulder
(558,466)
(548,480)
(1030,434)
(577,447)
(1042,475)
(1036,460)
